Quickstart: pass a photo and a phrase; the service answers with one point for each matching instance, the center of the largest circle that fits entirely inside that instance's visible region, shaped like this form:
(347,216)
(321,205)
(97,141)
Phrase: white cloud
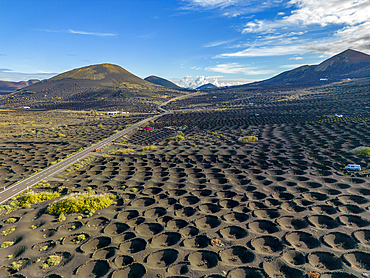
(345,24)
(211,3)
(308,12)
(9,75)
(266,51)
(90,33)
(296,58)
(230,8)
(71,31)
(218,43)
(234,68)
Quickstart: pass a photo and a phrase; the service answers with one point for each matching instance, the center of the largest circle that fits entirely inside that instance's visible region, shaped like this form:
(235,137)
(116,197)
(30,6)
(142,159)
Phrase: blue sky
(188,41)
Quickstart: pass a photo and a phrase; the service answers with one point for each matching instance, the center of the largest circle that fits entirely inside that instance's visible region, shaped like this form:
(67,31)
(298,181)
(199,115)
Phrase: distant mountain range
(348,64)
(9,86)
(108,85)
(162,82)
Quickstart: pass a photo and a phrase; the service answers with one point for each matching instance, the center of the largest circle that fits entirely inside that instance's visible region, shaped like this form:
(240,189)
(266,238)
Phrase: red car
(96,150)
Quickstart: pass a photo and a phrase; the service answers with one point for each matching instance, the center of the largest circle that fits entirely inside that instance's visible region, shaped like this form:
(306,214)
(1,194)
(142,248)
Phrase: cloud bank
(9,75)
(300,27)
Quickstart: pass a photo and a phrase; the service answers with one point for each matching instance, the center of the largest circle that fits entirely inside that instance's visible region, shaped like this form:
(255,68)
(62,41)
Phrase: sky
(190,42)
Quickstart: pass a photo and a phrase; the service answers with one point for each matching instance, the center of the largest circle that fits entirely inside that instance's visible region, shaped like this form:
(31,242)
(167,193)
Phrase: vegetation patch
(8,231)
(362,151)
(81,202)
(10,220)
(149,148)
(177,136)
(6,244)
(52,261)
(247,139)
(125,151)
(79,238)
(32,197)
(16,265)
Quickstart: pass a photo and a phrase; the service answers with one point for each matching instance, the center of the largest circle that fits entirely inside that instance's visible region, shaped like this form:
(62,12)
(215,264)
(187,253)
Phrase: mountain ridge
(10,86)
(347,64)
(162,82)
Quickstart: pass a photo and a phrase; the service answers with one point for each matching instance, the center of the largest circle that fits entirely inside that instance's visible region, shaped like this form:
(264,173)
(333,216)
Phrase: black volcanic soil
(282,206)
(31,140)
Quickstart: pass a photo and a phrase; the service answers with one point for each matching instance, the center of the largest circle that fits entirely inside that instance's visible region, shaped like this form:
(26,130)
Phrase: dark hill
(207,86)
(162,82)
(348,64)
(103,86)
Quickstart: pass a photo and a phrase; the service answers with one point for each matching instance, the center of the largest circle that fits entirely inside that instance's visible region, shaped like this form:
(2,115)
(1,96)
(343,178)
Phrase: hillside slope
(97,86)
(162,82)
(348,64)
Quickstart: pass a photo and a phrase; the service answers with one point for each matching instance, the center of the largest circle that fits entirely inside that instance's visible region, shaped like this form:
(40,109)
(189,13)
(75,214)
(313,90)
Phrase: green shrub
(79,238)
(81,202)
(52,261)
(362,151)
(125,151)
(44,248)
(247,139)
(16,265)
(32,198)
(6,244)
(149,148)
(10,220)
(62,217)
(178,137)
(8,231)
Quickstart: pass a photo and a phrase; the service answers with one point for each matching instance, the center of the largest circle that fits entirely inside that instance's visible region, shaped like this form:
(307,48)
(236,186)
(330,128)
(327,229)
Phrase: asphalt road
(18,188)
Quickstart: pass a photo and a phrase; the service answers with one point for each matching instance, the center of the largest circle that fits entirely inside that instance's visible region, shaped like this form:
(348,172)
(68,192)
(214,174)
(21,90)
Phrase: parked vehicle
(353,167)
(96,150)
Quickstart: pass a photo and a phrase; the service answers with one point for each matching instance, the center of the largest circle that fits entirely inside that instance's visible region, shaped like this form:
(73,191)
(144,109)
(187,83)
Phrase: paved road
(18,188)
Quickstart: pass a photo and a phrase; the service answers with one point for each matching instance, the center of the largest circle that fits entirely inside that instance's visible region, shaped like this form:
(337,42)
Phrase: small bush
(79,238)
(62,217)
(16,265)
(6,244)
(8,231)
(44,248)
(10,220)
(52,261)
(81,202)
(178,137)
(125,151)
(362,151)
(148,148)
(247,139)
